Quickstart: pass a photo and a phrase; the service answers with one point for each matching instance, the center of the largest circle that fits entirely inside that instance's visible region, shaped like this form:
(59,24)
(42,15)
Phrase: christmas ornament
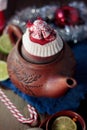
(2,21)
(66,15)
(3,6)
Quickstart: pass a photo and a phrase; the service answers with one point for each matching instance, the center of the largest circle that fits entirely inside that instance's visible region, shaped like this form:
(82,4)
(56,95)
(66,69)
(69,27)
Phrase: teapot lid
(41,40)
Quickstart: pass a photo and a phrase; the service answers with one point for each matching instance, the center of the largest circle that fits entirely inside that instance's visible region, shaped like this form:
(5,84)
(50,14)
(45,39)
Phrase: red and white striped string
(33,114)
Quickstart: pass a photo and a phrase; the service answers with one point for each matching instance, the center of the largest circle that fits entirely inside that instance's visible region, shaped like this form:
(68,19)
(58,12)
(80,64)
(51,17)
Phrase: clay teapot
(40,76)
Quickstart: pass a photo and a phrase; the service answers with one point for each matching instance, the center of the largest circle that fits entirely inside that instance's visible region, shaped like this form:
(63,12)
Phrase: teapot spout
(71,82)
(58,86)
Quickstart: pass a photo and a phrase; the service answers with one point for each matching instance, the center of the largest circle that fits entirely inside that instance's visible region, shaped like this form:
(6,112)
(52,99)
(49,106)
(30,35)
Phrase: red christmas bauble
(66,15)
(2,20)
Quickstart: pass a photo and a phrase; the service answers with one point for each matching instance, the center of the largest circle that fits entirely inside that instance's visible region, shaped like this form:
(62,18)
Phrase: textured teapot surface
(44,68)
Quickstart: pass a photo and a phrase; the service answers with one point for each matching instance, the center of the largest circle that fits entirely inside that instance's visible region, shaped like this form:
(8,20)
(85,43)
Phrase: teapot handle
(14,33)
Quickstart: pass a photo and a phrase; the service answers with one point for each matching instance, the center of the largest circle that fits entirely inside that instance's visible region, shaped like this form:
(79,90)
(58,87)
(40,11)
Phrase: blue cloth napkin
(72,99)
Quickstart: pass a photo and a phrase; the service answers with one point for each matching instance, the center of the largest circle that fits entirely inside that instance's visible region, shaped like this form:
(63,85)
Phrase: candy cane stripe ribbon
(16,113)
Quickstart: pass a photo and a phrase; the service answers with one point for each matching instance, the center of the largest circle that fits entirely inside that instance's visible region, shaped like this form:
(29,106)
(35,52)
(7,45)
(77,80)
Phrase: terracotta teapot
(46,74)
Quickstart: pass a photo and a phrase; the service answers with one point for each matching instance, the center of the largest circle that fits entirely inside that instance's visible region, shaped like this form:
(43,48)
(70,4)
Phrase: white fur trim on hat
(46,50)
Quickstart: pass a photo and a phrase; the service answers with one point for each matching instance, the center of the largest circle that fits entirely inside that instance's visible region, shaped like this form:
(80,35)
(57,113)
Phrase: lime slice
(3,71)
(5,44)
(64,123)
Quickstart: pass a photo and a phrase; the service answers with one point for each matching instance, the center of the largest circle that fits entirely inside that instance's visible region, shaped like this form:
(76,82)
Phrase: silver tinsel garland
(69,33)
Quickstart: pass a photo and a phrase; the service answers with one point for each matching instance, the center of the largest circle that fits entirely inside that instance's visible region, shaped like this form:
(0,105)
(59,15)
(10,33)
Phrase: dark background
(20,4)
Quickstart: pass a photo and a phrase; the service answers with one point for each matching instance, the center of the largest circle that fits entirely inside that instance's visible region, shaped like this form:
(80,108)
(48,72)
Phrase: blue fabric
(73,97)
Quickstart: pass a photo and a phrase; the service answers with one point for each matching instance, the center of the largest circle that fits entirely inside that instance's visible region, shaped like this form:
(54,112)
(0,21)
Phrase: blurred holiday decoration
(2,21)
(67,15)
(3,6)
(70,20)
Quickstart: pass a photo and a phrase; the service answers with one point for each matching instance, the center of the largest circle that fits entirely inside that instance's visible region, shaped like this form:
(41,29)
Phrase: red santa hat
(41,40)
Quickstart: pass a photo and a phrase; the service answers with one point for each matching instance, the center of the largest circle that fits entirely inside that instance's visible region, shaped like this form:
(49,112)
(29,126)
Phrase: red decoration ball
(66,15)
(2,20)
